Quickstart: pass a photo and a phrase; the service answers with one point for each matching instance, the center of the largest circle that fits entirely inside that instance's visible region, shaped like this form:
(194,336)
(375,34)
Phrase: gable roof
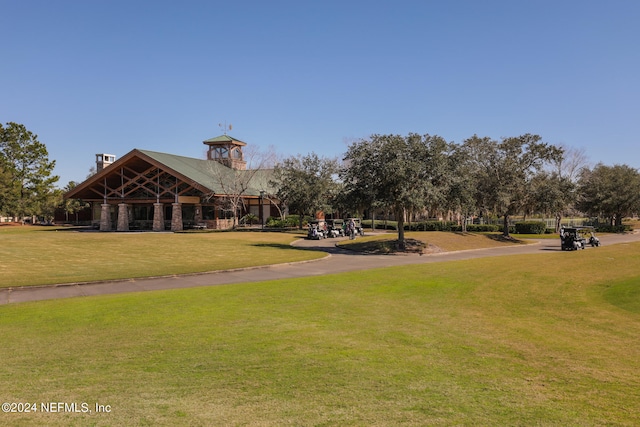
(208,173)
(202,172)
(205,175)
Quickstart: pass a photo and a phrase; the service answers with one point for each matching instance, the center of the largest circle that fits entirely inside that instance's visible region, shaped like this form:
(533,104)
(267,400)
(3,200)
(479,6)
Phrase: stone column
(158,217)
(176,217)
(123,217)
(105,217)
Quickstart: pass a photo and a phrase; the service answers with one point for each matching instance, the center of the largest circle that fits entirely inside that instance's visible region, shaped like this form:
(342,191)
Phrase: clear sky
(93,76)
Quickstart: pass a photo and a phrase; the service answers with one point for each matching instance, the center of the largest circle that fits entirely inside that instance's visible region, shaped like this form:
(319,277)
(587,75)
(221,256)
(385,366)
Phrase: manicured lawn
(446,241)
(549,339)
(44,255)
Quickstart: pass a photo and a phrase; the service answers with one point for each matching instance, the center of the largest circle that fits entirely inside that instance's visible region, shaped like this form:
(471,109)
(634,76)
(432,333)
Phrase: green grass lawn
(44,255)
(548,339)
(441,240)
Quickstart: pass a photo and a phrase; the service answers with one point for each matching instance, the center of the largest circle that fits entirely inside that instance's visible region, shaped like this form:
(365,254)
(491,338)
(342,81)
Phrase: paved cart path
(337,261)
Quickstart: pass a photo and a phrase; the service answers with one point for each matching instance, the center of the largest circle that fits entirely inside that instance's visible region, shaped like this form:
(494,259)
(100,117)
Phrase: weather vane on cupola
(224,127)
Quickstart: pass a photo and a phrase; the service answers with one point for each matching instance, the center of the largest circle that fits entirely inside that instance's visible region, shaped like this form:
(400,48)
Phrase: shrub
(380,224)
(530,227)
(482,228)
(431,226)
(614,228)
(291,221)
(273,222)
(249,218)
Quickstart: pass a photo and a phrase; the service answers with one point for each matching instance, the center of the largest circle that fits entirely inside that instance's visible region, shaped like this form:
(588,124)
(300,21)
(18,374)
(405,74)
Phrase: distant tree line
(425,174)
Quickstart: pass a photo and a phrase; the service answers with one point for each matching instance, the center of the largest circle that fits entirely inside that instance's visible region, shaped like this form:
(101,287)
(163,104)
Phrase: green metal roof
(209,173)
(224,138)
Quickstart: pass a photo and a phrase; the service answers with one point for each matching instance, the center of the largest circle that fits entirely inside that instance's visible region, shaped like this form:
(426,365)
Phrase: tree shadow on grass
(278,246)
(328,249)
(391,247)
(503,239)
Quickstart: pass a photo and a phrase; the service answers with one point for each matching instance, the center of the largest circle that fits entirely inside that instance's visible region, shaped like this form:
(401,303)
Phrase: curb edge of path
(10,289)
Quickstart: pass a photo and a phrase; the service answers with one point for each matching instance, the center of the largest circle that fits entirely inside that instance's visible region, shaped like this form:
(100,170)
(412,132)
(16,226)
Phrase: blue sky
(108,76)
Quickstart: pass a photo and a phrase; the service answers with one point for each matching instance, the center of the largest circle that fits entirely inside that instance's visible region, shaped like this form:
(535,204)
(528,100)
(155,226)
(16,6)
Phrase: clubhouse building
(147,190)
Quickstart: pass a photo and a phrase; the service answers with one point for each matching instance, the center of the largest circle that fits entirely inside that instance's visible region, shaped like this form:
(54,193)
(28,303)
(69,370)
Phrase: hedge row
(481,228)
(432,226)
(614,228)
(526,227)
(414,226)
(291,221)
(530,227)
(381,224)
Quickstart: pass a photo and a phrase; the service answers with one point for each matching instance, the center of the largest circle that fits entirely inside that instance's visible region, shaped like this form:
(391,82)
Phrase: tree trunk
(464,222)
(400,221)
(619,220)
(373,219)
(505,225)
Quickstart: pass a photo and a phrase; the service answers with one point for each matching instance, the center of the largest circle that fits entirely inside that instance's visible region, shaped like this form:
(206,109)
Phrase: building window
(208,212)
(142,213)
(220,153)
(224,214)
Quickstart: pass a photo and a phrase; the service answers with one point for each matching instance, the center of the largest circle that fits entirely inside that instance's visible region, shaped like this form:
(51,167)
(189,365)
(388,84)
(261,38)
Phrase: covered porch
(146,190)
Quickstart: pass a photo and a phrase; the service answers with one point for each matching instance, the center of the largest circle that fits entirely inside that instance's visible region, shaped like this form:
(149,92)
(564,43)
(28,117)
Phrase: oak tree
(505,170)
(306,184)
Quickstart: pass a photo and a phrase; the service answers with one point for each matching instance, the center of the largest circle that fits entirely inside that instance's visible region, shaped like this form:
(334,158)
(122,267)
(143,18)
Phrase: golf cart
(317,230)
(335,227)
(574,238)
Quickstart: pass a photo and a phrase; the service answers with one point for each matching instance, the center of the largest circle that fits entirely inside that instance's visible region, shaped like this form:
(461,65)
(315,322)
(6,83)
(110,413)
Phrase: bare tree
(571,164)
(235,185)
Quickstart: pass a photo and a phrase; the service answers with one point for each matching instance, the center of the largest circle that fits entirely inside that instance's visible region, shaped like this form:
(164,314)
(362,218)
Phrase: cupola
(226,150)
